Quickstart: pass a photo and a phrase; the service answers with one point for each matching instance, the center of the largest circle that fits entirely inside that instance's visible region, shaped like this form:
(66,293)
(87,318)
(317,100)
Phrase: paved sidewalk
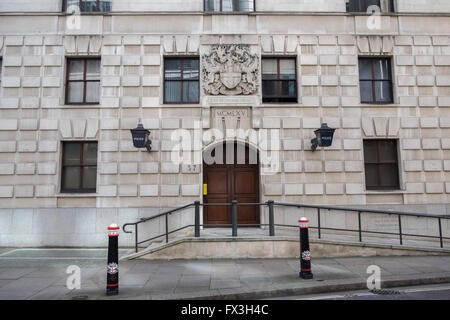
(41,274)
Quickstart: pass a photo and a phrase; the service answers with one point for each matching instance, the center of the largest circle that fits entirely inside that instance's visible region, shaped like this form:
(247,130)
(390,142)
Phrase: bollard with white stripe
(305,254)
(112,276)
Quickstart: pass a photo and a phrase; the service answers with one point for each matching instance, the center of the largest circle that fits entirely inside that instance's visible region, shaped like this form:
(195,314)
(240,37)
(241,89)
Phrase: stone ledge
(271,247)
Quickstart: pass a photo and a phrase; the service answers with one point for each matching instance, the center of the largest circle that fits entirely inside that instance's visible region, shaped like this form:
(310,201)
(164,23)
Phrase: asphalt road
(429,292)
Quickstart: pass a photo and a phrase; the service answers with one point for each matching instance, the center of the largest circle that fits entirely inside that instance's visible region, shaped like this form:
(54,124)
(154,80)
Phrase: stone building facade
(133,43)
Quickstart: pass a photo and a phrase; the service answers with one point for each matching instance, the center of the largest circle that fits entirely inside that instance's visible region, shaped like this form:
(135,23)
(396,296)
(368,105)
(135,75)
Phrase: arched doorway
(236,177)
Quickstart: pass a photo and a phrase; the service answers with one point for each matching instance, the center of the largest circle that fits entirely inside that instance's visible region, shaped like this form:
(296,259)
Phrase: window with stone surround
(229,5)
(279,80)
(83,81)
(364,6)
(381,164)
(181,80)
(86,6)
(79,167)
(375,80)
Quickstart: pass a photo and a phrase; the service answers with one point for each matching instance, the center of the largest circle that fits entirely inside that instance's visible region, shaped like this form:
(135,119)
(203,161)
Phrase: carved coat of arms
(230,70)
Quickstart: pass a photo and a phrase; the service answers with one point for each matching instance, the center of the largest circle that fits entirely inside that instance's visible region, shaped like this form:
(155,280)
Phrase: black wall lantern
(324,137)
(140,137)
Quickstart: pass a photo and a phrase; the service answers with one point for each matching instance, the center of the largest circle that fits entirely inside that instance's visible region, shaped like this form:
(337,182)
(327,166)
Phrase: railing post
(305,254)
(271,218)
(197,219)
(359,226)
(440,233)
(318,222)
(167,228)
(136,237)
(400,229)
(234,217)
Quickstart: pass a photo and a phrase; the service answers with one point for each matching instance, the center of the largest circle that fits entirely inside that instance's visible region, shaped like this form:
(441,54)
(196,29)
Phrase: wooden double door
(235,179)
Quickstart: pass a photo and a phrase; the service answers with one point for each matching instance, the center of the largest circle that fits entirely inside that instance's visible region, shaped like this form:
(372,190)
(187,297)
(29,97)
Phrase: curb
(350,285)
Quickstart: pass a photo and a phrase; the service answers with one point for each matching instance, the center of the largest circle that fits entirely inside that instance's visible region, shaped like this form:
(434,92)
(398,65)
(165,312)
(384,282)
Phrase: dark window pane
(375,69)
(246,5)
(366,91)
(71,178)
(370,151)
(173,69)
(361,5)
(270,88)
(92,92)
(186,90)
(75,91)
(93,69)
(388,151)
(389,175)
(71,154)
(371,175)
(391,6)
(366,4)
(382,70)
(90,154)
(212,5)
(95,6)
(79,167)
(288,88)
(365,69)
(76,69)
(172,91)
(227,5)
(72,5)
(79,71)
(190,69)
(270,68)
(190,91)
(281,90)
(287,69)
(89,6)
(89,178)
(381,165)
(383,91)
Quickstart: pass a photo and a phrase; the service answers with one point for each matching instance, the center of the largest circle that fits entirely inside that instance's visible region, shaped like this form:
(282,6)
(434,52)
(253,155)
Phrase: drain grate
(385,292)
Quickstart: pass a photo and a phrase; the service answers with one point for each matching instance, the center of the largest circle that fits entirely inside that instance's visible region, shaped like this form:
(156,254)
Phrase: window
(381,164)
(229,5)
(83,81)
(181,80)
(364,5)
(79,167)
(87,6)
(279,80)
(375,80)
(1,65)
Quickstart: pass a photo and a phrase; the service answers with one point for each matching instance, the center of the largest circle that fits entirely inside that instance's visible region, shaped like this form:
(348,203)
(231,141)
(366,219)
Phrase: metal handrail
(363,210)
(387,212)
(142,220)
(271,204)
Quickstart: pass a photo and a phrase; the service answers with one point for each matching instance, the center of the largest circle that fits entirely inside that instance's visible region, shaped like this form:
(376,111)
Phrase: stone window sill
(381,192)
(76,195)
(380,105)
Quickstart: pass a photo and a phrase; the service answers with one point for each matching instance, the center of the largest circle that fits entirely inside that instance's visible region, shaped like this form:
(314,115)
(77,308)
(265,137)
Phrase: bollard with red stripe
(112,276)
(305,254)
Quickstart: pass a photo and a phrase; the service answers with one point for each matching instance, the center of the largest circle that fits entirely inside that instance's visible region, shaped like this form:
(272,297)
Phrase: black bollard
(305,254)
(112,276)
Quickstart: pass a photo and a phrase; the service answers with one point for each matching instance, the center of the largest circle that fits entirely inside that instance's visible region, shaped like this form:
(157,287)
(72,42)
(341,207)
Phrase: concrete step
(248,246)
